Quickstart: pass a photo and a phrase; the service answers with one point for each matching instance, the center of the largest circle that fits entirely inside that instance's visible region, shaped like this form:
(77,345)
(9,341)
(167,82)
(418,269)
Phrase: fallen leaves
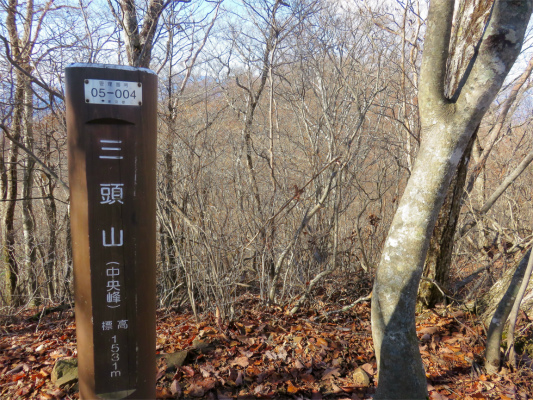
(330,373)
(267,354)
(241,361)
(175,388)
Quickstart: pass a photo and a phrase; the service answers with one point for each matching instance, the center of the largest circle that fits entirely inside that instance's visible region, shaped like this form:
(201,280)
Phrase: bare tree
(447,126)
(22,48)
(466,36)
(139,38)
(332,98)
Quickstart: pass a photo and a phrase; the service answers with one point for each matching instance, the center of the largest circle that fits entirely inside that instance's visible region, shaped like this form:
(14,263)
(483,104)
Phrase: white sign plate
(118,93)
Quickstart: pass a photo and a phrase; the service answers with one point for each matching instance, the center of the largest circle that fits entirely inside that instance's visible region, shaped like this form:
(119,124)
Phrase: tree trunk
(499,318)
(139,44)
(487,304)
(469,28)
(65,284)
(47,186)
(21,124)
(447,127)
(28,219)
(51,246)
(439,258)
(9,204)
(513,316)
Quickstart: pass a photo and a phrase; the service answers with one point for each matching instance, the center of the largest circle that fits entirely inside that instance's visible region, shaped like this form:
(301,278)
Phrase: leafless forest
(287,134)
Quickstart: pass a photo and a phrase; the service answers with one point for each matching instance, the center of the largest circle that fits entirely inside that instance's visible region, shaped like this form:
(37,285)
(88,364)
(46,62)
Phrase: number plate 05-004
(117,93)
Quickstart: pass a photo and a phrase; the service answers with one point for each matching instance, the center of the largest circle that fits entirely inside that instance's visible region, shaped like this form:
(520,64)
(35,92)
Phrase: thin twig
(32,78)
(30,153)
(350,306)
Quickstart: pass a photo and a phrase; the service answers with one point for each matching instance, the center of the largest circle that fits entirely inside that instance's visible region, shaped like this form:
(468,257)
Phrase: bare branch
(32,78)
(32,155)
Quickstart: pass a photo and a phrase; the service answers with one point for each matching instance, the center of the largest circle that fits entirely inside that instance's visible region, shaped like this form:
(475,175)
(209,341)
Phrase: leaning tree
(448,123)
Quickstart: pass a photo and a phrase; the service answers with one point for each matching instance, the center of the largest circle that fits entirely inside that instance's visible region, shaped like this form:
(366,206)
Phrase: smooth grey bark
(466,37)
(514,312)
(447,127)
(487,304)
(439,258)
(497,323)
(469,26)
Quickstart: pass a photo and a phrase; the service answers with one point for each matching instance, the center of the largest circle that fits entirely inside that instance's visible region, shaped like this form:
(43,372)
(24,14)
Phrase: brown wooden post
(111,126)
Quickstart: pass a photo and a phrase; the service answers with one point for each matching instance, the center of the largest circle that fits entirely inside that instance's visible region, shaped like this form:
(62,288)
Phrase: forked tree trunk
(466,35)
(447,127)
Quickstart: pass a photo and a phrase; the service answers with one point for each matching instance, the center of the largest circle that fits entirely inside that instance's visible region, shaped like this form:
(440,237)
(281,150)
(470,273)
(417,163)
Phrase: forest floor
(268,354)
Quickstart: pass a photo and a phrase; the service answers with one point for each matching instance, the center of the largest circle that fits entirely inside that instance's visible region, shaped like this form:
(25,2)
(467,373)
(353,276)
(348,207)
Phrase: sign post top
(111,66)
(105,93)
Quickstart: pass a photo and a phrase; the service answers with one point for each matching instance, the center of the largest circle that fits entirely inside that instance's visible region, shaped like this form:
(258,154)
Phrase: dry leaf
(258,389)
(291,388)
(187,371)
(308,378)
(218,318)
(330,373)
(175,388)
(429,330)
(282,353)
(240,378)
(437,396)
(208,383)
(196,390)
(233,374)
(335,388)
(241,361)
(163,393)
(368,368)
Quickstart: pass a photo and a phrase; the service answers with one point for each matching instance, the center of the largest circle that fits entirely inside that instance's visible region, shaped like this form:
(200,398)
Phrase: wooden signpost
(111,126)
